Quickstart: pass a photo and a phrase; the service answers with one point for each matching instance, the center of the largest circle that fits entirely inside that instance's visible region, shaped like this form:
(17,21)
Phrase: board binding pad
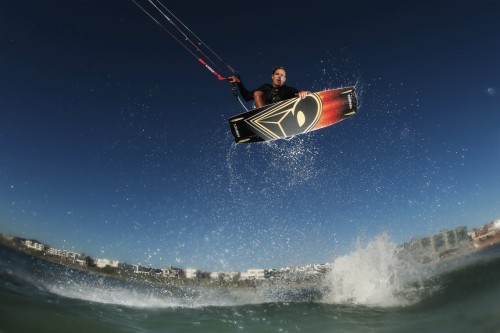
(294,116)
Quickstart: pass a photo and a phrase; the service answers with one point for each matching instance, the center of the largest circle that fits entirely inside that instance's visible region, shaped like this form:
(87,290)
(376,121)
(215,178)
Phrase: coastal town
(428,249)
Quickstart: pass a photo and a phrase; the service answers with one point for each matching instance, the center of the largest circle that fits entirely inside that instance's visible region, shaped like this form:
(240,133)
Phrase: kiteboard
(294,116)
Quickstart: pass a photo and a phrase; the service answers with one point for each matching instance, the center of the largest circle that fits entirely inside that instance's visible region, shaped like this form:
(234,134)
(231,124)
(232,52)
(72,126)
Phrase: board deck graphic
(294,116)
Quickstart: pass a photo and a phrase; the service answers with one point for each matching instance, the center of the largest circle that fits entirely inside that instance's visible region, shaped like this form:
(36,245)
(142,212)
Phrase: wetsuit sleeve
(247,95)
(293,91)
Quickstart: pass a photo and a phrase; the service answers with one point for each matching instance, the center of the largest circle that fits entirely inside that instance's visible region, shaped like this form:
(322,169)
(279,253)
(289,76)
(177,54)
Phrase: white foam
(372,275)
(117,296)
(152,296)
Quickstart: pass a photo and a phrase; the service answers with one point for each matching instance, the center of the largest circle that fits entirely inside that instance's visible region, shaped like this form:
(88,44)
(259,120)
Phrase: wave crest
(373,275)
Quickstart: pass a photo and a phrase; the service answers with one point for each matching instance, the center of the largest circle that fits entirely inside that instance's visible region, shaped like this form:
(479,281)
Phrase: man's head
(279,76)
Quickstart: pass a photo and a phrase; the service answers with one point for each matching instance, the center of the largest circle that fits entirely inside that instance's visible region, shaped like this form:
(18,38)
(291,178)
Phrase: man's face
(279,77)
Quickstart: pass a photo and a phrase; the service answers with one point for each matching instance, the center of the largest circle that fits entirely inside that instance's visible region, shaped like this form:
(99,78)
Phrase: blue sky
(114,140)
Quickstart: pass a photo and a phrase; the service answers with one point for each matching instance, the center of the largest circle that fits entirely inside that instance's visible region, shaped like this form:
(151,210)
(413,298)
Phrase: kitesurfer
(269,93)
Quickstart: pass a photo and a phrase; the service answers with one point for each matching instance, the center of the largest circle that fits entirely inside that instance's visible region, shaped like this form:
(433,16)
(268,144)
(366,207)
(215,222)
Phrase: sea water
(368,290)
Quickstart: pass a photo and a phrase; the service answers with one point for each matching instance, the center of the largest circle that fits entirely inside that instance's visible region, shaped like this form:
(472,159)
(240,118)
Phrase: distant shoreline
(433,249)
(126,275)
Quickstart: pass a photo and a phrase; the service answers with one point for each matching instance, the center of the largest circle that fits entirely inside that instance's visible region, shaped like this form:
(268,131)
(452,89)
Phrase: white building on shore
(192,273)
(253,274)
(64,253)
(438,246)
(101,263)
(30,244)
(172,272)
(486,235)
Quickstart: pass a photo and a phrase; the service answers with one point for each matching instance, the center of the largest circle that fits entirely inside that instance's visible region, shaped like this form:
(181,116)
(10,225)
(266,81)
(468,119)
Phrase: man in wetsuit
(269,93)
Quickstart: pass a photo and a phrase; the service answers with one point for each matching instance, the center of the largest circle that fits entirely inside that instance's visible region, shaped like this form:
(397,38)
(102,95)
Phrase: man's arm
(297,93)
(303,94)
(247,95)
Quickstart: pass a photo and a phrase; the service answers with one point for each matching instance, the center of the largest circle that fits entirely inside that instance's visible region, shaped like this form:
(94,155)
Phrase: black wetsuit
(271,94)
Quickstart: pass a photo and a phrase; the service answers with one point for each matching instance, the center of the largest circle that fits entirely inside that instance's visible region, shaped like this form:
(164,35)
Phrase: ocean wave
(372,275)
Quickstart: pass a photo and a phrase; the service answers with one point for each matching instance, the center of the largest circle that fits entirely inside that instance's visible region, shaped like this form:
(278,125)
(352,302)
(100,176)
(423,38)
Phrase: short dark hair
(275,68)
